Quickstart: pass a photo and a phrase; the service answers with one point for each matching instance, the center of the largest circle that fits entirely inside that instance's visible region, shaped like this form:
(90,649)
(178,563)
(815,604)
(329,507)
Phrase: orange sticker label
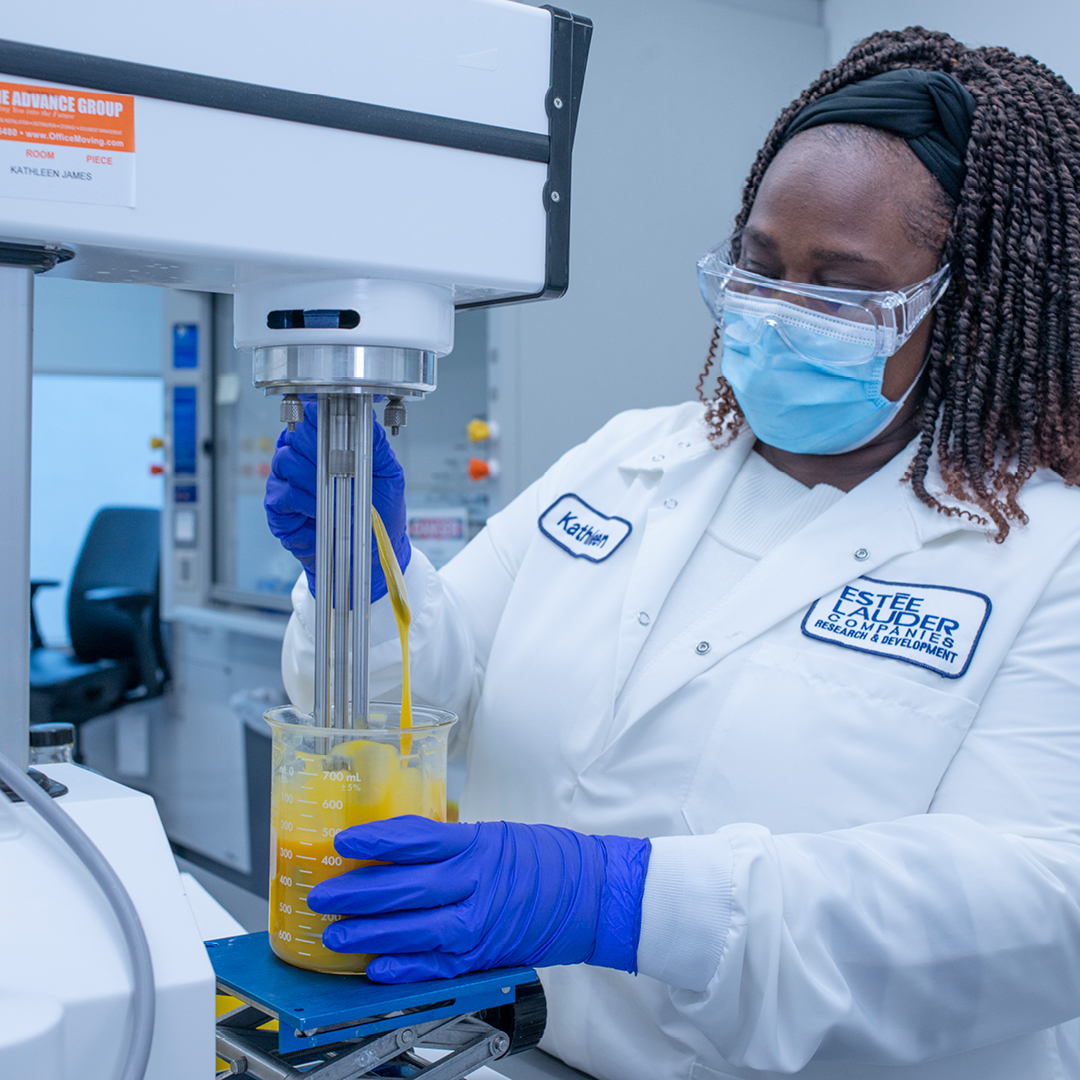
(54,116)
(66,145)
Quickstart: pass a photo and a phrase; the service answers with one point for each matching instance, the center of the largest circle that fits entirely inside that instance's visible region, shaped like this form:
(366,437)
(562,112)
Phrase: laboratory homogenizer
(353,174)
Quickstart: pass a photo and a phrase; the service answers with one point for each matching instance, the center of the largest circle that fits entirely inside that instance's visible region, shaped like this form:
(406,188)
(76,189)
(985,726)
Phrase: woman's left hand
(457,898)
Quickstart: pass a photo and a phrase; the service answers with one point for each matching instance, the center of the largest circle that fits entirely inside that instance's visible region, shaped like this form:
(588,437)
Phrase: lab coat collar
(690,443)
(931,523)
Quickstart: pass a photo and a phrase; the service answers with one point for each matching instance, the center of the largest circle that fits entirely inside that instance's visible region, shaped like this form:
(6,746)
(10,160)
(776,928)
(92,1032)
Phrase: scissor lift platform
(342,1027)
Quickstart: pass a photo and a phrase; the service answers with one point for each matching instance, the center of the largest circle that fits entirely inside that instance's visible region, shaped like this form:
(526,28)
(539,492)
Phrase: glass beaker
(323,781)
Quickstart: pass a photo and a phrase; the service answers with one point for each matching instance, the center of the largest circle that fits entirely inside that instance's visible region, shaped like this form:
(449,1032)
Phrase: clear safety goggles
(862,324)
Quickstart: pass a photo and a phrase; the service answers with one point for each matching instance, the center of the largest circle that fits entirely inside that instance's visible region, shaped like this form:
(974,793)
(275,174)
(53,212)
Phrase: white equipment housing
(287,181)
(62,958)
(353,171)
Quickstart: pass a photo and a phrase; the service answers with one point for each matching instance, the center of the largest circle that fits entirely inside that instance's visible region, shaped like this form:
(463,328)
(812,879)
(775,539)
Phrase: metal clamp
(292,411)
(394,415)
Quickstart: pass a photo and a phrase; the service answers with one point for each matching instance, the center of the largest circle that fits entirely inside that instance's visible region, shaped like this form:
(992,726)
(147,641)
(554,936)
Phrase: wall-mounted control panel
(188,369)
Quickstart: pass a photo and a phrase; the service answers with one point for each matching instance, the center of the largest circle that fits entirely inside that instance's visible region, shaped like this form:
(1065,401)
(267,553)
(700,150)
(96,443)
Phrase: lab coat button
(658,457)
(643,618)
(684,445)
(702,648)
(671,503)
(862,554)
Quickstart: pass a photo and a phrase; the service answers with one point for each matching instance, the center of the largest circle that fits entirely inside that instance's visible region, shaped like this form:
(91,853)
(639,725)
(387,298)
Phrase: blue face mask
(806,361)
(826,406)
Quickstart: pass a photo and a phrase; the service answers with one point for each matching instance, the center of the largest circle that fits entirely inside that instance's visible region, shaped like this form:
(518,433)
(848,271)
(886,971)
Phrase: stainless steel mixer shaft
(346,379)
(343,559)
(361,558)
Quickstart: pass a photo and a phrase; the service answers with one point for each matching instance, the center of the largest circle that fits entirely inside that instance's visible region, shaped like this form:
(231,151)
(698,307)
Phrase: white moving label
(66,145)
(933,626)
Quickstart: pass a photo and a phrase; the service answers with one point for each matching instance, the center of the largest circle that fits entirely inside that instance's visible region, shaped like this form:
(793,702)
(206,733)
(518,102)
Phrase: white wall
(1049,30)
(91,434)
(89,327)
(91,448)
(678,97)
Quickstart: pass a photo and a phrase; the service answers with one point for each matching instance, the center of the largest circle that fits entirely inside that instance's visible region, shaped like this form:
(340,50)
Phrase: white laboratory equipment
(352,173)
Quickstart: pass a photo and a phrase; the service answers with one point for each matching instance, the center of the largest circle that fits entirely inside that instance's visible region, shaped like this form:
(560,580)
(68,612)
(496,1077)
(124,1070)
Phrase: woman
(819,641)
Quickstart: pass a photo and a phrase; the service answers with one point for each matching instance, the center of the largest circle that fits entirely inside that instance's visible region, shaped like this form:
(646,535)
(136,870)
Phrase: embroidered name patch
(584,532)
(933,626)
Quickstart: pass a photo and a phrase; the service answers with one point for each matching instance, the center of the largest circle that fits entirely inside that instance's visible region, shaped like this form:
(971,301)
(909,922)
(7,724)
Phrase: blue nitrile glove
(458,898)
(290,497)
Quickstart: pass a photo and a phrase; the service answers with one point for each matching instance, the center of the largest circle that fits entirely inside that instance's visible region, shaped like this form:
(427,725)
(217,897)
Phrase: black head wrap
(931,110)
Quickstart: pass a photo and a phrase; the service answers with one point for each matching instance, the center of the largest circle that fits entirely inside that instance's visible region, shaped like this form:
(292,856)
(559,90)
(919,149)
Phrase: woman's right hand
(290,497)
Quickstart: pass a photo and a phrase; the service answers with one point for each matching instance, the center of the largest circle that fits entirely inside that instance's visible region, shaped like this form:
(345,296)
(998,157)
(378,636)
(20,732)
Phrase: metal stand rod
(16,330)
(342,462)
(324,565)
(339,617)
(361,560)
(343,559)
(340,620)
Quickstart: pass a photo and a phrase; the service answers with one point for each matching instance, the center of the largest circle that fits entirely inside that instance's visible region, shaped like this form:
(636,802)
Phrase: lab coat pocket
(807,742)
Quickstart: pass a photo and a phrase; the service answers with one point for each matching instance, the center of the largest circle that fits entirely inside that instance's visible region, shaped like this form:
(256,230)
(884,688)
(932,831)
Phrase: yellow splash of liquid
(399,600)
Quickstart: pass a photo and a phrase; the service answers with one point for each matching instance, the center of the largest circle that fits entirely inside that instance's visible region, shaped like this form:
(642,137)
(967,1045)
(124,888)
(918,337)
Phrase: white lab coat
(861,868)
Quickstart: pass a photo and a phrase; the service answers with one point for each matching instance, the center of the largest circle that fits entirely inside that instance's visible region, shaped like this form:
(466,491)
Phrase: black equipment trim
(34,257)
(570,38)
(165,84)
(53,788)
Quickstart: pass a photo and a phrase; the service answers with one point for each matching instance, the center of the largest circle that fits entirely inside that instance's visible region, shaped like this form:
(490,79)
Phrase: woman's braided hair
(1003,373)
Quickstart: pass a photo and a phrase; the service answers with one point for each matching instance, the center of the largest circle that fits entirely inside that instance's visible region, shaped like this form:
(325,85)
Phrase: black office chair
(116,651)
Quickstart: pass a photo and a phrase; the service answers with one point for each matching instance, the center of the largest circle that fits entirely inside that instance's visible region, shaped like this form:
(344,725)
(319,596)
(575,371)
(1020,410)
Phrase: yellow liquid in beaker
(314,798)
